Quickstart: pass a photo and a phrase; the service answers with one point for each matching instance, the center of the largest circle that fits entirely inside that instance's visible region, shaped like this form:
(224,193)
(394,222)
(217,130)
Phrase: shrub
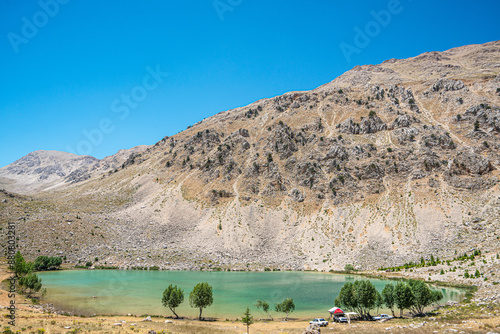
(349,267)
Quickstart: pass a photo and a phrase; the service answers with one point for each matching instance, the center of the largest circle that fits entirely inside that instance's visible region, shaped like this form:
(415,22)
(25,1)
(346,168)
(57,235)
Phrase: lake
(140,292)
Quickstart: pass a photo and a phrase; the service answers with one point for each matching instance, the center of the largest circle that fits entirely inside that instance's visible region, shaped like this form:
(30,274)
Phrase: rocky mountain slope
(383,165)
(42,170)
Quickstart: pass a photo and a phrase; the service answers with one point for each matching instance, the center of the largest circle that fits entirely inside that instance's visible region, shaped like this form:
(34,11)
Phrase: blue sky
(94,77)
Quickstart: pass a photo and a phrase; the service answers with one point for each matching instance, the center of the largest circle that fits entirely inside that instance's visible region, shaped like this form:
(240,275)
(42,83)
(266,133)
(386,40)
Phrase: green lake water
(140,292)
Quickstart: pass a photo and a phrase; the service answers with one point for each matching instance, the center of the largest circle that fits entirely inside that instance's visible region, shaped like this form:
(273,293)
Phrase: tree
(21,267)
(379,301)
(265,307)
(55,262)
(47,263)
(403,297)
(346,299)
(436,296)
(201,297)
(247,319)
(172,298)
(287,307)
(31,282)
(423,296)
(388,296)
(359,296)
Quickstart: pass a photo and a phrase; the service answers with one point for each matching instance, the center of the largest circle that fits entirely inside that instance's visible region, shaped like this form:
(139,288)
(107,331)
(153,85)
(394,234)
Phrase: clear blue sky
(69,69)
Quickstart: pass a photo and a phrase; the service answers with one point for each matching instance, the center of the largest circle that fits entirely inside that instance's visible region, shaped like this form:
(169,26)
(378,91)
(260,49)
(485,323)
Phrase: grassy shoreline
(471,318)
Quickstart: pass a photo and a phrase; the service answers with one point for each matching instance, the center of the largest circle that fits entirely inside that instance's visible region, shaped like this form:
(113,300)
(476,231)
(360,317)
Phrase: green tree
(360,296)
(422,296)
(379,301)
(247,319)
(21,267)
(264,306)
(172,298)
(436,296)
(403,297)
(47,263)
(388,296)
(346,299)
(31,282)
(201,297)
(54,262)
(287,307)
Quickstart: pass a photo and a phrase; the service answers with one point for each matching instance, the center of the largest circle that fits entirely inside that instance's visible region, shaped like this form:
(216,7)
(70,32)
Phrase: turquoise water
(140,292)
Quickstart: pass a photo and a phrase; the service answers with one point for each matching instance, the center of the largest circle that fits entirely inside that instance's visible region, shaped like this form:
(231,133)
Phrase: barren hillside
(383,165)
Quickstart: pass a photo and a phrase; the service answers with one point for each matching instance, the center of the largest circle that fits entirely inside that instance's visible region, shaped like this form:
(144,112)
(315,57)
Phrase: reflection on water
(140,292)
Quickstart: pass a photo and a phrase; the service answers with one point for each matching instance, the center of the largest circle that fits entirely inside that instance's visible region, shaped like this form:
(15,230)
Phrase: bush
(349,267)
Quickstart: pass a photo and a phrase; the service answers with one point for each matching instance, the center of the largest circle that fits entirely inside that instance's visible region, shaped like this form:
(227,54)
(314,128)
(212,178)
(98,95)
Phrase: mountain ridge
(381,166)
(47,169)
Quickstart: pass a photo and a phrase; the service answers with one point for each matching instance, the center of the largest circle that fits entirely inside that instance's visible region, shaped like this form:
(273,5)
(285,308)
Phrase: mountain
(384,165)
(42,170)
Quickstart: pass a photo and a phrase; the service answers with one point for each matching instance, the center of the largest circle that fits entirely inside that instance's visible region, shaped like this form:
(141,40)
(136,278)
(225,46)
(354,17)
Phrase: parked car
(383,316)
(340,318)
(319,322)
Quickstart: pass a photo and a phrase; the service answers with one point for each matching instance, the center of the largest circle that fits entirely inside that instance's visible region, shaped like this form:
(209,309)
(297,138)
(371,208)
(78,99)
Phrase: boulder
(312,329)
(296,195)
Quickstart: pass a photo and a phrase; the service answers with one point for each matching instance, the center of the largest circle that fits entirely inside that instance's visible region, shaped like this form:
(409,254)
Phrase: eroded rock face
(371,124)
(447,85)
(437,139)
(337,152)
(282,140)
(467,163)
(208,138)
(404,121)
(406,135)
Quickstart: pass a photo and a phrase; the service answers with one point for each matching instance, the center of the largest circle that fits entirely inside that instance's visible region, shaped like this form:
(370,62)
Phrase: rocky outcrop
(371,124)
(282,140)
(467,163)
(436,139)
(404,121)
(447,85)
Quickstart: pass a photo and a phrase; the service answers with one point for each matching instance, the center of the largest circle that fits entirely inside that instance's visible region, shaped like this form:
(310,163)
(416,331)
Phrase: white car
(383,316)
(319,322)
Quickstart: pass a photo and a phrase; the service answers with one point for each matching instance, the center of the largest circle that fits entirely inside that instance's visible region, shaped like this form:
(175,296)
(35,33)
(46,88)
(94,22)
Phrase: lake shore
(474,317)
